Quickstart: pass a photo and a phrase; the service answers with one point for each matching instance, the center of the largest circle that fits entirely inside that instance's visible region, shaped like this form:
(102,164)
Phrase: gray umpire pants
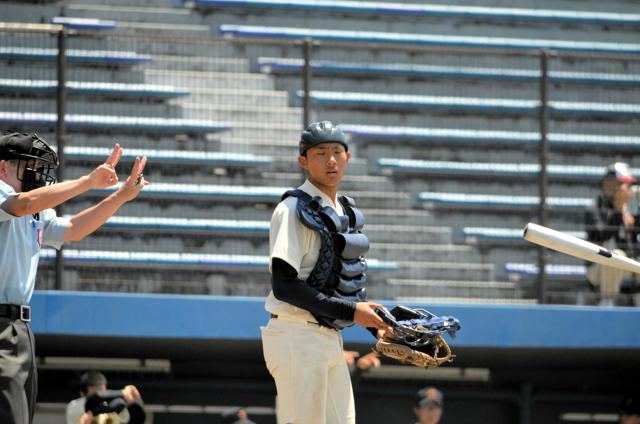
(18,376)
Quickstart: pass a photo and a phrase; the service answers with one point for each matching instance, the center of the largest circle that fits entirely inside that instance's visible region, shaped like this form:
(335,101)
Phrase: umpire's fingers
(115,156)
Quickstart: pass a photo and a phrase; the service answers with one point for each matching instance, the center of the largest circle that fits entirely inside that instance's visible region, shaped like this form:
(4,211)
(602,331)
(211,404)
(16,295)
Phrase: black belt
(21,312)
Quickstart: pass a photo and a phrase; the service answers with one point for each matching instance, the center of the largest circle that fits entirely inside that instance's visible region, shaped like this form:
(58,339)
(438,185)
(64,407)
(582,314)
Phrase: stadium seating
(171,157)
(426,39)
(187,225)
(87,87)
(94,258)
(478,235)
(104,57)
(467,104)
(271,65)
(477,169)
(435,10)
(114,123)
(83,23)
(496,201)
(554,271)
(481,137)
(206,192)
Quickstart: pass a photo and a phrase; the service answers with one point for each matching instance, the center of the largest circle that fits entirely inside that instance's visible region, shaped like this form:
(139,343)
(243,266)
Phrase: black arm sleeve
(137,412)
(105,401)
(289,288)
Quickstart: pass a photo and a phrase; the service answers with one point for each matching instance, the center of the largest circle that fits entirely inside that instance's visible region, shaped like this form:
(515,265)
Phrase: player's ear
(302,161)
(4,169)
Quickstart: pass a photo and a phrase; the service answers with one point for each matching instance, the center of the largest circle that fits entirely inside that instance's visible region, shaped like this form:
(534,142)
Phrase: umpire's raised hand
(134,182)
(105,174)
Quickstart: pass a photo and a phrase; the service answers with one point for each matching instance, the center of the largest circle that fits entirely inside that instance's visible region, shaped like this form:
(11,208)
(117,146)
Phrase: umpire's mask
(34,155)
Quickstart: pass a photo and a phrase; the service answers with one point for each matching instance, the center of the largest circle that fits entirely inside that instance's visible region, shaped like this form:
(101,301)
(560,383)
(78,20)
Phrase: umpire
(28,222)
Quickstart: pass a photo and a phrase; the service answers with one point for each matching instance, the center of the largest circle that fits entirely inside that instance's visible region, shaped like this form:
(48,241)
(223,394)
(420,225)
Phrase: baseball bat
(573,246)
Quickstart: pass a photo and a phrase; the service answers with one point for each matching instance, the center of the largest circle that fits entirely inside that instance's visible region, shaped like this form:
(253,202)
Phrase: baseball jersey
(295,244)
(21,239)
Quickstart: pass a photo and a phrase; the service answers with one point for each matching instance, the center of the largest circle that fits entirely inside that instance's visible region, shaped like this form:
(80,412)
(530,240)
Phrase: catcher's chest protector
(340,270)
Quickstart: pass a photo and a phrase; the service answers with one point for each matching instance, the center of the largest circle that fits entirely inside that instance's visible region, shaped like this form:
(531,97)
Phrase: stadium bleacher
(216,119)
(426,39)
(441,104)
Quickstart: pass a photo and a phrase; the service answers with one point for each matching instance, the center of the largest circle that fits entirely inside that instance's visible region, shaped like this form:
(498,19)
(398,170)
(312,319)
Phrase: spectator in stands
(360,365)
(97,405)
(630,409)
(610,224)
(236,415)
(27,222)
(428,407)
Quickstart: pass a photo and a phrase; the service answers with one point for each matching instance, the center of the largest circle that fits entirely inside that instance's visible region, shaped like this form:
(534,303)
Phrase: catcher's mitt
(417,337)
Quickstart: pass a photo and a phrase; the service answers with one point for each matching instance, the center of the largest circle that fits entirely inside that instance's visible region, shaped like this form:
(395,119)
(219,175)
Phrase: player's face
(325,164)
(429,414)
(629,419)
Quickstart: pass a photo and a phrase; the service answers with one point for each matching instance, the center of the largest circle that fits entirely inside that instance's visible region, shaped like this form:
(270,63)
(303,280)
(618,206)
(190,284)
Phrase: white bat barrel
(574,246)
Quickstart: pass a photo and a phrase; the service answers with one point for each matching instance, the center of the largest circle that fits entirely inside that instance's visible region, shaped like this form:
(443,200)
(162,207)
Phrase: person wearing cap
(27,223)
(629,409)
(317,277)
(610,224)
(428,406)
(98,405)
(235,415)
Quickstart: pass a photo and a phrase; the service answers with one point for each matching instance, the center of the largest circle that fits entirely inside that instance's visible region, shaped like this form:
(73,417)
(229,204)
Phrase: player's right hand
(366,316)
(105,175)
(130,393)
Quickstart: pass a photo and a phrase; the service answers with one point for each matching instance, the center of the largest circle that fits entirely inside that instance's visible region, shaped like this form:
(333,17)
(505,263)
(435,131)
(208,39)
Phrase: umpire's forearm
(87,221)
(48,197)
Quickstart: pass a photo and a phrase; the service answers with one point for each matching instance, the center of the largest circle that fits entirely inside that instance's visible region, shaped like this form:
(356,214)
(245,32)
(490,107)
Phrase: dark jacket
(605,227)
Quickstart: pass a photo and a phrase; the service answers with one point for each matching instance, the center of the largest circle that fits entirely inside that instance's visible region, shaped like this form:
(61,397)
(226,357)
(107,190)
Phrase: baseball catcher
(417,336)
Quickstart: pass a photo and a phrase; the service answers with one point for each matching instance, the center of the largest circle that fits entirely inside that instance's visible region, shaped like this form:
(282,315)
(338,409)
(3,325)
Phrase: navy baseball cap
(429,397)
(621,172)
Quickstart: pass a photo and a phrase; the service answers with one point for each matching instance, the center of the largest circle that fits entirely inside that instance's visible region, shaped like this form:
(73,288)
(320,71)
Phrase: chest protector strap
(340,269)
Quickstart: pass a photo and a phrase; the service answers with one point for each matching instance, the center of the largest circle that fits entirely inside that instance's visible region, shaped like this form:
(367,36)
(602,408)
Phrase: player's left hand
(135,182)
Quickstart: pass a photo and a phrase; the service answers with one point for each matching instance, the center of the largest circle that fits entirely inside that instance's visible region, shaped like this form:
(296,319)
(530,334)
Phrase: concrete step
(238,114)
(466,300)
(452,288)
(398,216)
(209,79)
(422,251)
(186,243)
(85,105)
(47,71)
(134,13)
(164,28)
(486,88)
(236,97)
(148,3)
(171,64)
(445,271)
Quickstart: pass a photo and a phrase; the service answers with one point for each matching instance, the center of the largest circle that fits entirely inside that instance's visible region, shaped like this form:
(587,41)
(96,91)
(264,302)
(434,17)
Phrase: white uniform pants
(311,374)
(608,278)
